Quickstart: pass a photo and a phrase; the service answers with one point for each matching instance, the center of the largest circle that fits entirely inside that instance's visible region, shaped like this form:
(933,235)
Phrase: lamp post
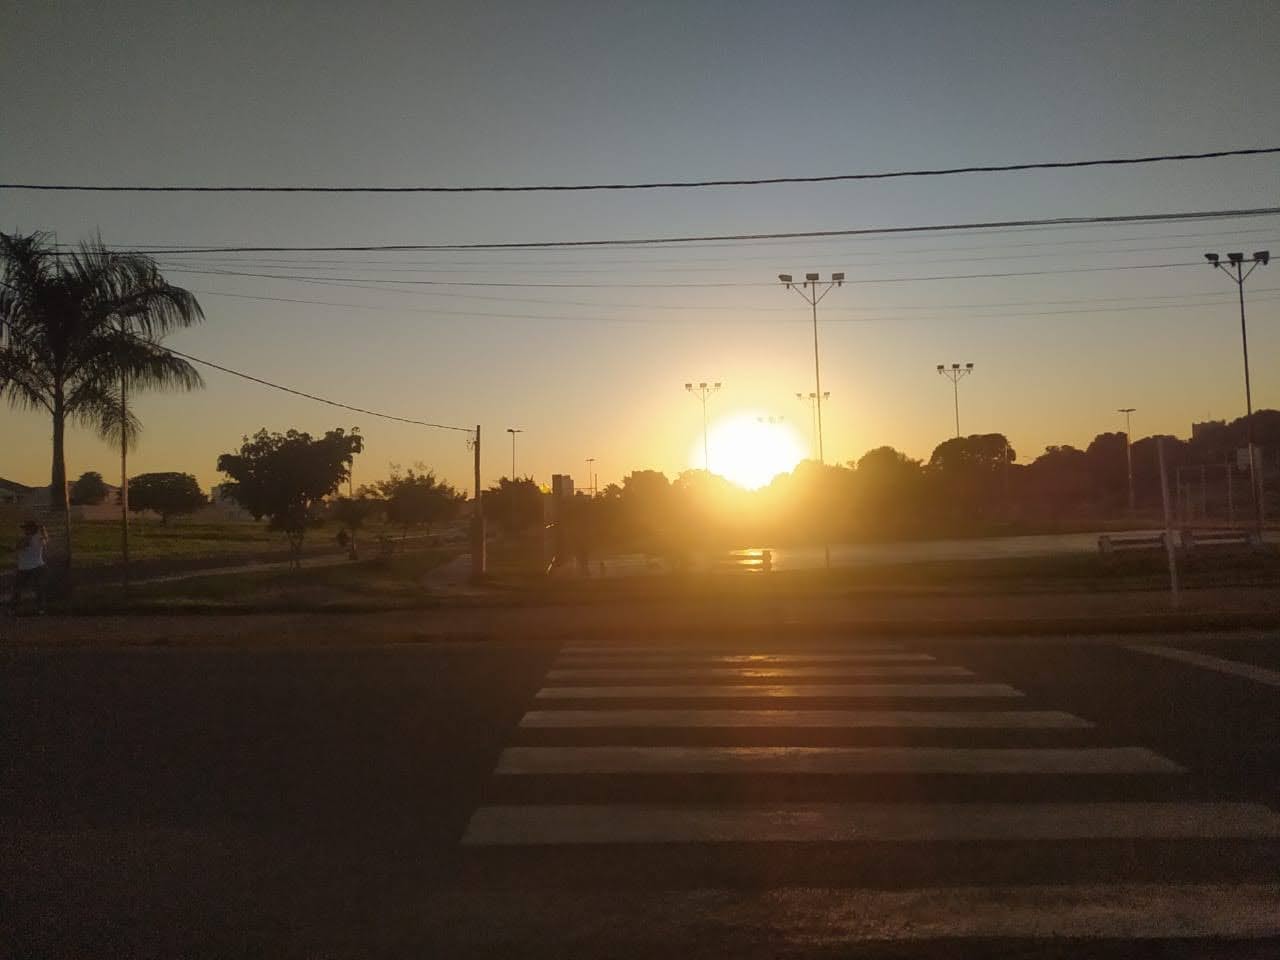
(702,391)
(1128,453)
(808,290)
(812,399)
(590,474)
(955,373)
(513,431)
(1234,268)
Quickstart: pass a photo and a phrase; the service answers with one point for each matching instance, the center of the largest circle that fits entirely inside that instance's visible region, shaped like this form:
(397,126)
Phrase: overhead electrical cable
(657,184)
(312,396)
(1045,222)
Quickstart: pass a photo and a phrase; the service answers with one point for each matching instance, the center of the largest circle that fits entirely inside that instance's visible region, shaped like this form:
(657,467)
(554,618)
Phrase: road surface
(684,796)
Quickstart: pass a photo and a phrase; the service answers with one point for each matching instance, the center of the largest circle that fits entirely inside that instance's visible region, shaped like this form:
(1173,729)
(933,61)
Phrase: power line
(366,281)
(660,184)
(1195,215)
(311,396)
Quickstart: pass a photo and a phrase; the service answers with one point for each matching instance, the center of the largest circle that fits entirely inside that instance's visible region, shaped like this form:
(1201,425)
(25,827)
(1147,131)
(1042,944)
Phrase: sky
(462,94)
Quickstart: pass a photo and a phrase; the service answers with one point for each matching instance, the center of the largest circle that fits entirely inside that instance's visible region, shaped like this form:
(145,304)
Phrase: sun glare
(749,449)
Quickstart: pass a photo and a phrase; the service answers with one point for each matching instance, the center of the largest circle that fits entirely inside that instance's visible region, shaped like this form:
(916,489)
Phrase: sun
(749,449)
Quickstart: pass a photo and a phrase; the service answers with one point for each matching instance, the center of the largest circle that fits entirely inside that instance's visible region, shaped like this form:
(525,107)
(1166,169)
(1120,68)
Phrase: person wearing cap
(31,568)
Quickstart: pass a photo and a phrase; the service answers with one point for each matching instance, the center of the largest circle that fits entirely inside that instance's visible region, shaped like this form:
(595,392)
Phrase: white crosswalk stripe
(755,673)
(798,719)
(575,735)
(935,691)
(802,760)
(837,822)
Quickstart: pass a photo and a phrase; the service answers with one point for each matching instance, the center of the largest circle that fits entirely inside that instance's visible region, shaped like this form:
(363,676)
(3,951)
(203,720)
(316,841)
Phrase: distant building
(1208,426)
(561,486)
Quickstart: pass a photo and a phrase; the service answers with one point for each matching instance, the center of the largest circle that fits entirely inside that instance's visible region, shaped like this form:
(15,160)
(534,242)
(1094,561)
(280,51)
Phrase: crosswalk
(833,781)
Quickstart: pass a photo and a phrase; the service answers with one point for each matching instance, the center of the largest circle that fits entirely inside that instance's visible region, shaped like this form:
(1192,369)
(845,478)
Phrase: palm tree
(78,331)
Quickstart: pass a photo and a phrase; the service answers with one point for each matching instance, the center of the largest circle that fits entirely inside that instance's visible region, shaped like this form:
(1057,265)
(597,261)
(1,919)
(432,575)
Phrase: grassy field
(389,584)
(398,583)
(98,541)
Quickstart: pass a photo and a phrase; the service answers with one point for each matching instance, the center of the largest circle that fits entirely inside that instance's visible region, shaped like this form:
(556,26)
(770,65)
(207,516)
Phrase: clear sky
(477,93)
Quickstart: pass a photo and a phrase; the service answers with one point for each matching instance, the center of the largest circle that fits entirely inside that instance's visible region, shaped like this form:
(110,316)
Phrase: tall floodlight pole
(1128,452)
(590,468)
(1234,268)
(513,431)
(702,391)
(813,290)
(955,373)
(811,398)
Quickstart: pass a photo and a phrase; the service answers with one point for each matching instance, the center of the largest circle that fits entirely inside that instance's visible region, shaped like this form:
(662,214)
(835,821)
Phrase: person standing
(31,566)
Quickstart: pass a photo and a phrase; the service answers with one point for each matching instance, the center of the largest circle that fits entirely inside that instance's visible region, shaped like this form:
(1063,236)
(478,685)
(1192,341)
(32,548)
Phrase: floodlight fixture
(940,368)
(1235,257)
(968,366)
(838,278)
(785,278)
(688,386)
(811,276)
(1262,256)
(1213,259)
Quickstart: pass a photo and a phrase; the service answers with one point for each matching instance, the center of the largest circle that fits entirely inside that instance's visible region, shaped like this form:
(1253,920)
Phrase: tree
(78,327)
(419,499)
(168,494)
(515,505)
(352,512)
(88,490)
(283,476)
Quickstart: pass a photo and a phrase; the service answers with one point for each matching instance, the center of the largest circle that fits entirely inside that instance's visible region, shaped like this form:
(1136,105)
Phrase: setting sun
(750,449)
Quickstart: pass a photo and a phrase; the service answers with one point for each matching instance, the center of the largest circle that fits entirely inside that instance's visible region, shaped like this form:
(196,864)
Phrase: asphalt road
(920,797)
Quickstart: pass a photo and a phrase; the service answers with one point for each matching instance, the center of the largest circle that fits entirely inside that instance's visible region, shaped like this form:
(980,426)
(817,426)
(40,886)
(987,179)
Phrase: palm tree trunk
(58,498)
(124,483)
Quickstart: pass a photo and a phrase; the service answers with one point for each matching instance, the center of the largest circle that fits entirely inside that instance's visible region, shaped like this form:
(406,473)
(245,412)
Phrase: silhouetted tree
(89,489)
(419,500)
(283,476)
(515,505)
(76,325)
(168,494)
(1107,467)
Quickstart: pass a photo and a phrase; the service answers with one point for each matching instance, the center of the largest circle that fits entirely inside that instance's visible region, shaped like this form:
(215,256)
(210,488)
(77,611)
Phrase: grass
(377,584)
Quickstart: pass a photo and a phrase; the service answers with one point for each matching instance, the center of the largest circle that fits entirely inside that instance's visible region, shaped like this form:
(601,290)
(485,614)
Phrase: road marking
(859,822)
(744,660)
(791,919)
(675,649)
(939,691)
(753,673)
(829,760)
(1232,667)
(889,719)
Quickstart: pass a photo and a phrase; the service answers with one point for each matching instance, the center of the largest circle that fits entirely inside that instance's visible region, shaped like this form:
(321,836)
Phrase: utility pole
(808,290)
(590,474)
(1128,453)
(955,373)
(702,391)
(1238,276)
(513,431)
(477,517)
(812,399)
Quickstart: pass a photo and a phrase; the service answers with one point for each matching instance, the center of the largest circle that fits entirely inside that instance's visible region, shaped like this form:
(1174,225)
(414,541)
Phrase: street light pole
(808,290)
(513,431)
(812,398)
(1239,275)
(1128,453)
(955,373)
(702,390)
(590,461)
